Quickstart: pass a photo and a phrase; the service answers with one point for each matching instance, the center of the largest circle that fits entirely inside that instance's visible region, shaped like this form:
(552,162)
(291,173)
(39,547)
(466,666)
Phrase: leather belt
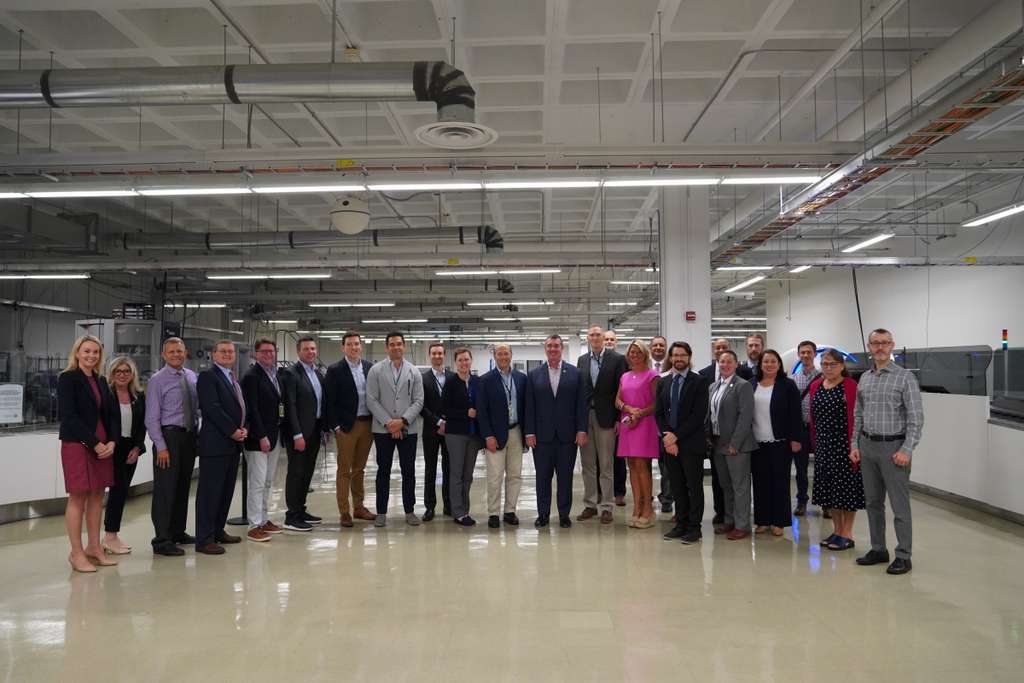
(883,437)
(175,428)
(364,418)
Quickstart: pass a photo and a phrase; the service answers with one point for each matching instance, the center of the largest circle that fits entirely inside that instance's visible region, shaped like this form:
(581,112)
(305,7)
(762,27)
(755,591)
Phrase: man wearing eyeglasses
(887,423)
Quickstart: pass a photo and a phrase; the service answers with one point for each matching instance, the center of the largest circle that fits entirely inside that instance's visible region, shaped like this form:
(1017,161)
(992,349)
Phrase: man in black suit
(434,379)
(265,408)
(350,419)
(220,441)
(303,426)
(710,373)
(600,369)
(755,347)
(681,410)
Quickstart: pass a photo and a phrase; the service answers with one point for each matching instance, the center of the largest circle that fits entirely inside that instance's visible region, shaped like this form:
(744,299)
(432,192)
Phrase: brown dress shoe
(606,517)
(346,519)
(587,514)
(800,510)
(258,535)
(737,534)
(210,548)
(364,514)
(271,528)
(724,529)
(224,537)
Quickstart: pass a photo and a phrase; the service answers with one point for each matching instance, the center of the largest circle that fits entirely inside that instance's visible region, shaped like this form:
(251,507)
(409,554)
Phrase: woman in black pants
(130,434)
(461,433)
(777,429)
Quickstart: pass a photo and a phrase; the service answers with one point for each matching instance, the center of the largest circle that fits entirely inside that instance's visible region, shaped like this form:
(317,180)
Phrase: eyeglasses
(831,364)
(880,343)
(123,371)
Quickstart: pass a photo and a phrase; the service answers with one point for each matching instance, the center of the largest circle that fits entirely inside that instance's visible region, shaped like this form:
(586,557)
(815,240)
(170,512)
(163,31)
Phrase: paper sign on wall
(11,399)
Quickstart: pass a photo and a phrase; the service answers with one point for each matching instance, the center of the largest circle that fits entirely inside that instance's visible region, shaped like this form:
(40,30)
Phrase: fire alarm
(691,316)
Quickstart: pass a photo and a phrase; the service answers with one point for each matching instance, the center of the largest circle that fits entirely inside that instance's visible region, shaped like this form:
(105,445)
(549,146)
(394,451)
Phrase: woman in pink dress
(638,432)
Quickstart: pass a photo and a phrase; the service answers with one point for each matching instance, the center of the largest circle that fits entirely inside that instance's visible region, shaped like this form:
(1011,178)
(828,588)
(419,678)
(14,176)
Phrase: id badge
(280,411)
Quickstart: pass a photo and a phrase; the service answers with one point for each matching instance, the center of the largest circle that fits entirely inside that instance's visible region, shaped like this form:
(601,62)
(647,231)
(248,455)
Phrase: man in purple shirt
(171,419)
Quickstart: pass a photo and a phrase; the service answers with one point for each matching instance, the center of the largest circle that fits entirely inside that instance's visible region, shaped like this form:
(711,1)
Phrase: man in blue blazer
(221,436)
(556,424)
(500,407)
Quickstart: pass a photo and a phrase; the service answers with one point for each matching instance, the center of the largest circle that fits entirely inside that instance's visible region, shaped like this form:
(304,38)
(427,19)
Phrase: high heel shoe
(123,550)
(101,560)
(632,522)
(87,568)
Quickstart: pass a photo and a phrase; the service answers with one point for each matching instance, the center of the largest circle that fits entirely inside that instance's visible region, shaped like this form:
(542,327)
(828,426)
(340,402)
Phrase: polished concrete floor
(592,603)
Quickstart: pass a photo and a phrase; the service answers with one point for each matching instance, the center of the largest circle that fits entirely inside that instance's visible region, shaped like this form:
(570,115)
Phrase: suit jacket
(77,409)
(342,395)
(708,372)
(222,414)
(300,404)
(745,371)
(787,416)
(735,416)
(693,412)
(492,405)
(138,404)
(456,400)
(602,394)
(262,407)
(555,418)
(432,406)
(388,400)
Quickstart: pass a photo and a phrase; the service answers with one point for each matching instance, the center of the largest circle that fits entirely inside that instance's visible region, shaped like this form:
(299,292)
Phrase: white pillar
(686,270)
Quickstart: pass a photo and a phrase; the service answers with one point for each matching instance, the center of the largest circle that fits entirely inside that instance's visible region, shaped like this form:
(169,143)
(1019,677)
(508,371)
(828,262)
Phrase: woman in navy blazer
(461,433)
(129,402)
(777,429)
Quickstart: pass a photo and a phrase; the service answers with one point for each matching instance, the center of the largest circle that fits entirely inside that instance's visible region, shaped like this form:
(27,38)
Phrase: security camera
(350,214)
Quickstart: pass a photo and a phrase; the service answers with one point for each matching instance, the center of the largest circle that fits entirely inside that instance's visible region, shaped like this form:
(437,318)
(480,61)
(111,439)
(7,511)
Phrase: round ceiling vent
(456,135)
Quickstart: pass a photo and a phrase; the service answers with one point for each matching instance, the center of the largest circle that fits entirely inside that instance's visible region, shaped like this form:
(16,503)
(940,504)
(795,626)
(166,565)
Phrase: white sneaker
(381,520)
(412,520)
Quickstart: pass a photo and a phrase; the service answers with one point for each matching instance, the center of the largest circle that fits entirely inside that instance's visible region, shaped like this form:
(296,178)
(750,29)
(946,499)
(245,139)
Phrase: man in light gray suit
(394,395)
(731,401)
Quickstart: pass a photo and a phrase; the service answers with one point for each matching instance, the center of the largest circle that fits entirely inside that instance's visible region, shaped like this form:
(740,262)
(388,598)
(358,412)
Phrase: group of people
(619,411)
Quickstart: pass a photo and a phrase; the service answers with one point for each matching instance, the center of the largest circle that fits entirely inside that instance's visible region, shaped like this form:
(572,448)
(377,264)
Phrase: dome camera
(350,214)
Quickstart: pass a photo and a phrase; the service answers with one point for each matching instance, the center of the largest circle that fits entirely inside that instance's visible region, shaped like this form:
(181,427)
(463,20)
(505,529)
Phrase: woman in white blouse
(130,436)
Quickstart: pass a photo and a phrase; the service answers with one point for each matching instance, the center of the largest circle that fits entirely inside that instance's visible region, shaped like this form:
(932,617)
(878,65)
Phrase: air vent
(456,135)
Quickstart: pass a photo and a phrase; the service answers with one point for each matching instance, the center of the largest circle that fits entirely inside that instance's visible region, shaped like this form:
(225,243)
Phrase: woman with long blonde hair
(130,434)
(638,430)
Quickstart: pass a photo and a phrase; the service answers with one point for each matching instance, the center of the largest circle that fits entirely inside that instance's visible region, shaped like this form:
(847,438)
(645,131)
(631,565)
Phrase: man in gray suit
(394,395)
(731,401)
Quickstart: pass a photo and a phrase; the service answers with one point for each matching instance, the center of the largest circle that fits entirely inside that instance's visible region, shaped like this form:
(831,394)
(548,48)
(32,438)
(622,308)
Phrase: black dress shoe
(674,534)
(210,548)
(428,515)
(540,522)
(718,519)
(466,521)
(666,508)
(564,522)
(446,512)
(185,539)
(493,522)
(311,519)
(168,549)
(690,537)
(899,566)
(510,518)
(873,557)
(227,538)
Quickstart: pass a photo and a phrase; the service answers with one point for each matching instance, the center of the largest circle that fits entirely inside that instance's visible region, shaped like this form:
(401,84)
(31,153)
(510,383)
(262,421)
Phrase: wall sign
(11,399)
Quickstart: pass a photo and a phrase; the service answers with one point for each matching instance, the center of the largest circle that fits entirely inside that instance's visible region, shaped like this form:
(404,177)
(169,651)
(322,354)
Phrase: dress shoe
(666,508)
(724,529)
(674,534)
(540,522)
(632,522)
(411,519)
(690,537)
(364,514)
(257,535)
(606,517)
(428,516)
(117,549)
(380,521)
(81,565)
(586,514)
(644,522)
(899,566)
(873,557)
(210,548)
(466,521)
(346,520)
(297,525)
(311,519)
(737,534)
(271,528)
(620,501)
(800,510)
(718,519)
(168,549)
(510,518)
(185,539)
(564,522)
(224,537)
(493,522)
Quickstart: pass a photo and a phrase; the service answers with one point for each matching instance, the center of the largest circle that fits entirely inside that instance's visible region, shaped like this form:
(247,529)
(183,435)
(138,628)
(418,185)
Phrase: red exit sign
(691,316)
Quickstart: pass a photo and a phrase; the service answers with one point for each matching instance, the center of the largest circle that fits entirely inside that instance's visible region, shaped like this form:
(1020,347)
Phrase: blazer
(602,394)
(492,404)
(388,400)
(849,391)
(432,406)
(300,404)
(693,412)
(342,395)
(735,416)
(555,418)
(456,400)
(787,417)
(745,371)
(263,406)
(742,371)
(77,409)
(138,404)
(222,414)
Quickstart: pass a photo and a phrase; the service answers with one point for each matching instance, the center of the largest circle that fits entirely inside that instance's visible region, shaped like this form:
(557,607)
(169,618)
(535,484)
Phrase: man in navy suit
(220,442)
(500,407)
(556,424)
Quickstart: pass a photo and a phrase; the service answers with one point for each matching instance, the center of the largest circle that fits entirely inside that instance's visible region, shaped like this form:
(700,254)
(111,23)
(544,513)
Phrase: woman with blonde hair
(129,430)
(86,449)
(638,431)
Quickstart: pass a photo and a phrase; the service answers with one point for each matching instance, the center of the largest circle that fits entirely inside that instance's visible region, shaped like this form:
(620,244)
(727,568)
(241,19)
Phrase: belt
(364,418)
(883,437)
(768,443)
(513,425)
(176,428)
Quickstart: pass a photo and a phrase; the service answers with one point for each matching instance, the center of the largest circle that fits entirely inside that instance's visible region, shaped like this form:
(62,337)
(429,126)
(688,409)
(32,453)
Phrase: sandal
(826,541)
(841,543)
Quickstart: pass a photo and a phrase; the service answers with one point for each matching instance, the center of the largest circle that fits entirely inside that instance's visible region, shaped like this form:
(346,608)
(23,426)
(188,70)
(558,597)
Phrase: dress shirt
(272,375)
(314,379)
(360,380)
(717,391)
(595,366)
(235,386)
(438,378)
(763,432)
(672,407)
(164,404)
(889,403)
(509,382)
(803,379)
(554,374)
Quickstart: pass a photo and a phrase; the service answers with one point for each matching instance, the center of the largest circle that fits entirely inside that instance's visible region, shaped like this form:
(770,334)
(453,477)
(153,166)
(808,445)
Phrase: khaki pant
(598,455)
(505,463)
(353,451)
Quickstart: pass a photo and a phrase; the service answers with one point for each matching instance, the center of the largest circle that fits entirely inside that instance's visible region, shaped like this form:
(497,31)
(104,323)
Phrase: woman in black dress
(838,486)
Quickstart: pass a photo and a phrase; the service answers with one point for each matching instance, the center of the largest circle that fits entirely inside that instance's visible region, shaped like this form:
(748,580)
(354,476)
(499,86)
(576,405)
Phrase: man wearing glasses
(887,424)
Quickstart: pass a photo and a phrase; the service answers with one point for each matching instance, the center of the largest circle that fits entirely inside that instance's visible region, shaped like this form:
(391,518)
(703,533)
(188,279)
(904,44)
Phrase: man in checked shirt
(887,424)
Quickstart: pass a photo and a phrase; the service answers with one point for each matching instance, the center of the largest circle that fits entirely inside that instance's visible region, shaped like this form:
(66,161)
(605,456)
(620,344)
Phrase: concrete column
(686,269)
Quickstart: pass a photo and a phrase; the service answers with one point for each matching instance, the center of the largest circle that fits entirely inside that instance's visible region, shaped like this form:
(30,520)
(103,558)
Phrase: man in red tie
(220,443)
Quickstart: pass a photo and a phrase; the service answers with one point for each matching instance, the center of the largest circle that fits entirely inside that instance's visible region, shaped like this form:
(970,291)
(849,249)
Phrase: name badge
(280,411)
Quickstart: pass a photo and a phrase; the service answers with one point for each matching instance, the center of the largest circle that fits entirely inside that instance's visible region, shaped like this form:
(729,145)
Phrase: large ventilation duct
(436,82)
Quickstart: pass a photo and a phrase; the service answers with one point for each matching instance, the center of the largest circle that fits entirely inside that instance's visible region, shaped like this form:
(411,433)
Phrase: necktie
(187,408)
(238,395)
(677,384)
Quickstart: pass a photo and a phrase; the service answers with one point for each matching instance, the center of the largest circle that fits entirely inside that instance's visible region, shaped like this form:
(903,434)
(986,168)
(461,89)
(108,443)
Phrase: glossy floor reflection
(592,603)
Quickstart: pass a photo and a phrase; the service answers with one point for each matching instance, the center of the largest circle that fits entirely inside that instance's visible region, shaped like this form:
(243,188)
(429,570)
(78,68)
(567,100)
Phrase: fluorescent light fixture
(772,180)
(542,184)
(529,271)
(283,322)
(300,276)
(12,195)
(993,216)
(622,329)
(465,272)
(800,269)
(744,267)
(300,189)
(717,333)
(44,276)
(510,303)
(192,191)
(336,304)
(237,320)
(652,270)
(746,283)
(622,303)
(496,320)
(868,242)
(661,182)
(57,194)
(237,276)
(634,282)
(195,305)
(423,187)
(394,320)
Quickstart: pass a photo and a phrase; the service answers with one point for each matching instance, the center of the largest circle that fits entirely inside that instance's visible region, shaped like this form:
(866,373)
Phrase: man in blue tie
(302,428)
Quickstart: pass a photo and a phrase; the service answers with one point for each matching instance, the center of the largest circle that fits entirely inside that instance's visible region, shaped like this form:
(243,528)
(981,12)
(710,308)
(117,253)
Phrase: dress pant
(553,458)
(432,442)
(353,452)
(717,494)
(734,473)
(802,461)
(597,457)
(884,477)
(301,466)
(686,474)
(406,463)
(118,493)
(505,463)
(261,468)
(665,492)
(217,474)
(462,452)
(619,474)
(171,486)
(770,466)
